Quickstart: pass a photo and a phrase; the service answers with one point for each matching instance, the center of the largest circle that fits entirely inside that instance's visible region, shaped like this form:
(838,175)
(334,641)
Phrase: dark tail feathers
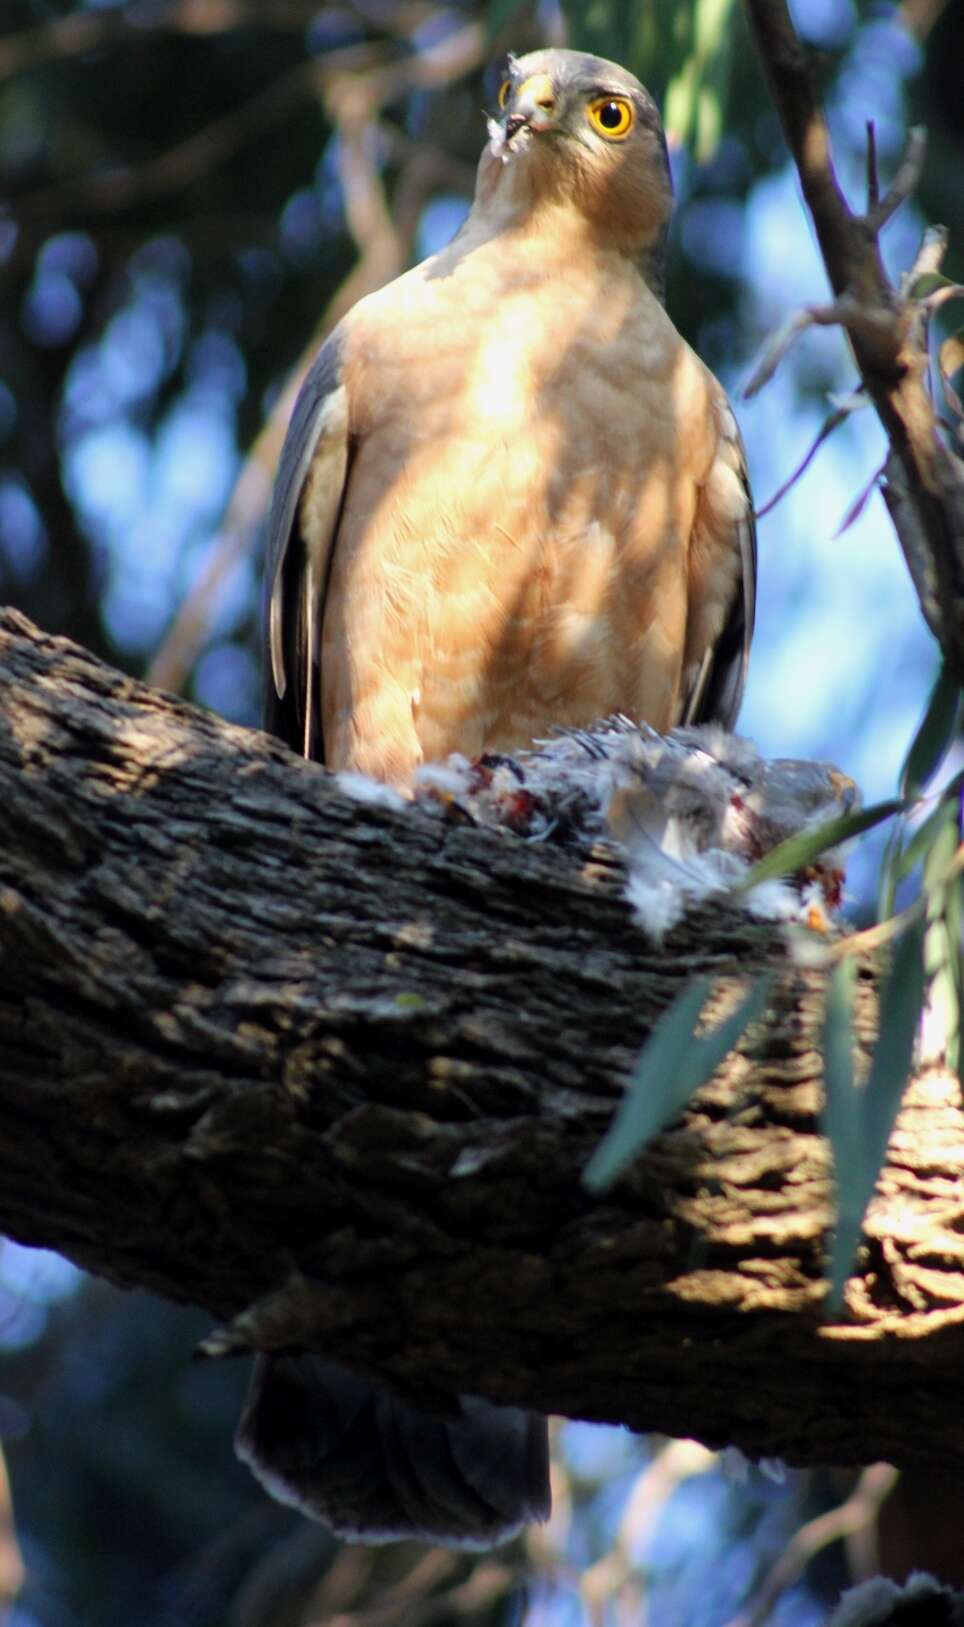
(375,1469)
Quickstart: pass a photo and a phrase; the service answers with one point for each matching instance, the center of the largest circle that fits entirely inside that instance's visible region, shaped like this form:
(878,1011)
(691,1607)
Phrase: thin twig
(906,180)
(122,187)
(873,178)
(674,1463)
(857,1513)
(835,419)
(857,320)
(80,32)
(387,75)
(924,488)
(840,312)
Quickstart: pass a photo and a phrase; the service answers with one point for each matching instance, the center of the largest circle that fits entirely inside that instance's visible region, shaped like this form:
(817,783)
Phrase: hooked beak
(533,107)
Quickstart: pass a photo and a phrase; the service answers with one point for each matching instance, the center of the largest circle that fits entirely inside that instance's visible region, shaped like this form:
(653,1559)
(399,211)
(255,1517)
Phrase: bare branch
(905,181)
(887,333)
(835,419)
(873,178)
(844,312)
(95,30)
(387,75)
(856,1515)
(121,187)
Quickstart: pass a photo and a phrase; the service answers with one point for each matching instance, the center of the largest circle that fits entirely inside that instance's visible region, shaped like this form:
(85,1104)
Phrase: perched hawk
(511,497)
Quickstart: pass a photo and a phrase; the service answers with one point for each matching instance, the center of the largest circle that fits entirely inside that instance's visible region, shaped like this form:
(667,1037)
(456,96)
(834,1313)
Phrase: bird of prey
(511,497)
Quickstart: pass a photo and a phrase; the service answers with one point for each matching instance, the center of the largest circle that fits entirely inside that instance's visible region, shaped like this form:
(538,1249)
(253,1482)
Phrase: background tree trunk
(333,1071)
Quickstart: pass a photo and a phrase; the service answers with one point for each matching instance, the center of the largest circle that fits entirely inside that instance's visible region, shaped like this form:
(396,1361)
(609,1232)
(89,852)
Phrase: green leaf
(838,1060)
(859,1123)
(498,14)
(937,730)
(920,844)
(649,1099)
(901,1001)
(942,941)
(790,856)
(674,1062)
(952,918)
(602,26)
(942,847)
(696,91)
(841,1117)
(955,960)
(890,871)
(928,283)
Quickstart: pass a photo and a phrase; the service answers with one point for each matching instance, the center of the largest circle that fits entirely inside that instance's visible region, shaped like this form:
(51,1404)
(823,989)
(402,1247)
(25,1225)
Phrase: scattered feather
(361,789)
(690,813)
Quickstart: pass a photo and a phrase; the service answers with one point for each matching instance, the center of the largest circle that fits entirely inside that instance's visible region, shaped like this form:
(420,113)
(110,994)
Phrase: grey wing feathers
(375,1468)
(314,456)
(718,689)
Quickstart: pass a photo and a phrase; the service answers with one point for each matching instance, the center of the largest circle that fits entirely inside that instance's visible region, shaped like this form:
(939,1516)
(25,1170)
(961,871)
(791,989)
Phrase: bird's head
(577,131)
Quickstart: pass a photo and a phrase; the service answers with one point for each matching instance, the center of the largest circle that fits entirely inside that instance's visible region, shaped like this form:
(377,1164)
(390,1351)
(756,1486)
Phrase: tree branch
(335,1070)
(924,480)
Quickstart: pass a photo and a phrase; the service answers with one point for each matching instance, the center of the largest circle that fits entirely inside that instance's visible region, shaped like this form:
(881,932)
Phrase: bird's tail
(375,1468)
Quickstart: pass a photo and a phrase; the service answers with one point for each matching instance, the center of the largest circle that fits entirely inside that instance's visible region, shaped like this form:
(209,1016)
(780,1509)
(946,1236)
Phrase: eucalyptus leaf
(953,924)
(649,1098)
(697,89)
(942,942)
(890,871)
(799,850)
(927,283)
(858,1123)
(901,1000)
(938,727)
(674,1062)
(841,1120)
(917,848)
(941,850)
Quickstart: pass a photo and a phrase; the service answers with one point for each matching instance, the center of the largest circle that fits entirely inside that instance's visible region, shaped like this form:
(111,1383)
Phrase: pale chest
(516,516)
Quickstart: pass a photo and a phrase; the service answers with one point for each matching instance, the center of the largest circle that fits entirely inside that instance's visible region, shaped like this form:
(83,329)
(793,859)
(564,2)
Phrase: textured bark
(332,1071)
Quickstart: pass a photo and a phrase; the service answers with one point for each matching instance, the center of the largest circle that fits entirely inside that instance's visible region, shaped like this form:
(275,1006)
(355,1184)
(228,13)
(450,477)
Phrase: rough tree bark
(333,1071)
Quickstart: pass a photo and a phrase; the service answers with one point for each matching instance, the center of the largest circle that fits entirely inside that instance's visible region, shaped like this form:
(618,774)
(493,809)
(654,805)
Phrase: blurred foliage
(131,1508)
(193,189)
(683,51)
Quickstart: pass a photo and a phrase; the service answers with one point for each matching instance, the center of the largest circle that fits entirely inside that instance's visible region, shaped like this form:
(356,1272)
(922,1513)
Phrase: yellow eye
(504,91)
(612,116)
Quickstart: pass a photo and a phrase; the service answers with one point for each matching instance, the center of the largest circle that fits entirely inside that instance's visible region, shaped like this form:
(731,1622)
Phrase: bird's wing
(303,523)
(715,687)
